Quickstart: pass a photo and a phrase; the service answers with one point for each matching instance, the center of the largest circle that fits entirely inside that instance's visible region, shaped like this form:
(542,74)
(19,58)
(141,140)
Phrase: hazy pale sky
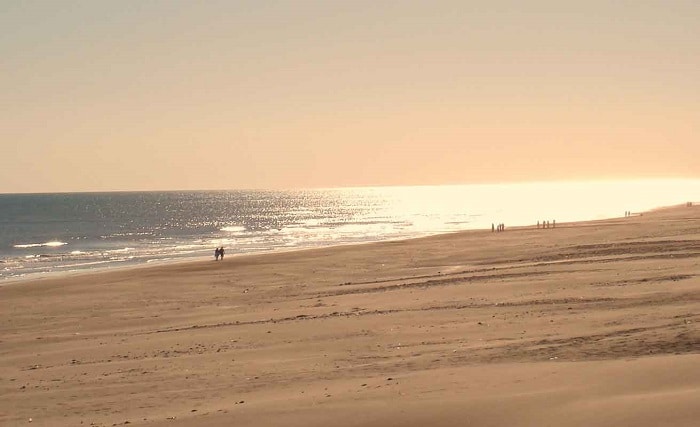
(136,95)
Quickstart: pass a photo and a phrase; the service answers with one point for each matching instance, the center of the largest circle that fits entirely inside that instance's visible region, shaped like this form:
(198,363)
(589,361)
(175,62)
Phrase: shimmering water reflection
(59,232)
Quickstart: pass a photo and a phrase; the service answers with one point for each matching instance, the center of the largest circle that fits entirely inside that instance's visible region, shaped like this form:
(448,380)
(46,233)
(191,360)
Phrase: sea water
(48,233)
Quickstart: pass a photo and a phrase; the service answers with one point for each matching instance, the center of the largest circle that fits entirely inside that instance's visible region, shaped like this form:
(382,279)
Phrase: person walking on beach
(217,253)
(221,253)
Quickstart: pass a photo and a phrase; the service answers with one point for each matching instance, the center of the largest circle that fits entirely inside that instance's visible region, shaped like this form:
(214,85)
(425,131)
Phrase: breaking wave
(52,244)
(234,229)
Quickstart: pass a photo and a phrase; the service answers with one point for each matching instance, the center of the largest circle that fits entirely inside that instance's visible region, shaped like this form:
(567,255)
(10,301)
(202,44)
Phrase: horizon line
(483,184)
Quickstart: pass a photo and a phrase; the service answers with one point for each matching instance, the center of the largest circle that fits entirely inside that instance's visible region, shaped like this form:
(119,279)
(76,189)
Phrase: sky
(181,95)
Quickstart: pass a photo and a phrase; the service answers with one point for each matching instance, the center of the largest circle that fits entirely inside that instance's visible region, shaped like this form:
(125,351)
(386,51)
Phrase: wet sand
(592,323)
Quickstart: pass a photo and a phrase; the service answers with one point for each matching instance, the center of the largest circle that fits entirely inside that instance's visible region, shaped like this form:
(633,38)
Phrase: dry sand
(587,324)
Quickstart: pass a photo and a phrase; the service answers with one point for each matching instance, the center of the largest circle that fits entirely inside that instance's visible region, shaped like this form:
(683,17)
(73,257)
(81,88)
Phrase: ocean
(49,233)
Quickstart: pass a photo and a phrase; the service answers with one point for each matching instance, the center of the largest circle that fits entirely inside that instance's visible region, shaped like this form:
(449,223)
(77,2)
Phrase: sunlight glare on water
(443,208)
(55,232)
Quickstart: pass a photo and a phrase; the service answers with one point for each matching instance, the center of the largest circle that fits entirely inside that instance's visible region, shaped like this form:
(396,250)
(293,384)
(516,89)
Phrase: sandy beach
(586,324)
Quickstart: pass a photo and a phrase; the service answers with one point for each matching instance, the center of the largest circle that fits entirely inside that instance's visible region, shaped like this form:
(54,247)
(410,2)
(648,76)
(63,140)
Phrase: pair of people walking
(219,252)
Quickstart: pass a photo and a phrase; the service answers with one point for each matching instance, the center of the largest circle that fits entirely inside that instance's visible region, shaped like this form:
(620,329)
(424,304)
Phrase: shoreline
(117,267)
(588,323)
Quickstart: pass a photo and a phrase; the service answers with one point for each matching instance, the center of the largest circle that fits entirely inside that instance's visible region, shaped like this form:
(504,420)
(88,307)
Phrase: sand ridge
(590,323)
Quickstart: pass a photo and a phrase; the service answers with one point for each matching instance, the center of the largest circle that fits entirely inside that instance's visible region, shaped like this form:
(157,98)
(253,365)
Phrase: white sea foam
(120,251)
(187,247)
(52,244)
(234,229)
(81,264)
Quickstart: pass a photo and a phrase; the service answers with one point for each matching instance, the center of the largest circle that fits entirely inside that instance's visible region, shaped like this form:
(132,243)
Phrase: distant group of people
(542,224)
(219,253)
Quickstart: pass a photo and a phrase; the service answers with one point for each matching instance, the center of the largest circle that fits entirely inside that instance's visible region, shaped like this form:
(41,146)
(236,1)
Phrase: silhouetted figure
(538,224)
(221,253)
